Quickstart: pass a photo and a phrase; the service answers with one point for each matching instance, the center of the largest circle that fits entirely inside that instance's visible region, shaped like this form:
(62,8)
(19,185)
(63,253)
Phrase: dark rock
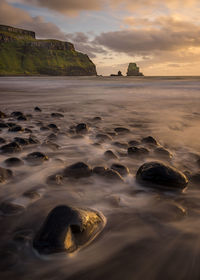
(133,143)
(57,115)
(103,137)
(133,70)
(33,140)
(44,128)
(10,124)
(3,125)
(32,194)
(110,155)
(162,152)
(67,229)
(159,175)
(82,128)
(138,152)
(121,130)
(2,141)
(12,147)
(2,115)
(121,169)
(149,140)
(108,174)
(50,144)
(36,158)
(21,141)
(12,162)
(77,170)
(52,136)
(5,174)
(22,118)
(37,109)
(8,208)
(97,119)
(16,114)
(120,145)
(27,130)
(53,126)
(15,128)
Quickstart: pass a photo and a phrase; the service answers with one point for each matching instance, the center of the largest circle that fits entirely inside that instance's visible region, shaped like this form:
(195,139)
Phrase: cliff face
(22,54)
(133,70)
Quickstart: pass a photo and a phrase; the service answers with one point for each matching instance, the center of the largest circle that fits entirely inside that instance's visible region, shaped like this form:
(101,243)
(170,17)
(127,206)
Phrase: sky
(161,36)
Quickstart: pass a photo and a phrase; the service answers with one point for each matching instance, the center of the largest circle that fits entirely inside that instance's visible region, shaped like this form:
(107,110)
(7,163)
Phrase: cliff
(133,70)
(22,54)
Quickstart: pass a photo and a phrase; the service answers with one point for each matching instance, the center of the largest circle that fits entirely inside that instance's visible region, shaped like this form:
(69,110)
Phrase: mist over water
(149,234)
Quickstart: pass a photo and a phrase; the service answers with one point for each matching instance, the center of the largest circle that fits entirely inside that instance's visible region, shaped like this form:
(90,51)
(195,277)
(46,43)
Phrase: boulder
(121,169)
(12,147)
(159,175)
(5,174)
(77,170)
(67,229)
(13,162)
(82,128)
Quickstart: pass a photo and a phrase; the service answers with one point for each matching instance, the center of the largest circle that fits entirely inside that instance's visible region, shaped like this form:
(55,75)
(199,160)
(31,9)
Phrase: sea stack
(133,70)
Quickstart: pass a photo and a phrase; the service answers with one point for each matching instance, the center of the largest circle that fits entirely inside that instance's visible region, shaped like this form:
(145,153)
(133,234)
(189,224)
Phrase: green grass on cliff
(19,57)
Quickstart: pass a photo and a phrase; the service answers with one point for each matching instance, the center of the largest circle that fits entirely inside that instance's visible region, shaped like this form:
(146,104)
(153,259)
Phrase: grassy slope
(17,58)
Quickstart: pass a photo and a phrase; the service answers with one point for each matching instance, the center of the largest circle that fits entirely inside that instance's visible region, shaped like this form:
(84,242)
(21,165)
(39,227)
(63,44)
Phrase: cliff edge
(22,54)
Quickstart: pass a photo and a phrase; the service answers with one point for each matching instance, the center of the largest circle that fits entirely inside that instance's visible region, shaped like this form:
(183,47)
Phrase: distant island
(22,54)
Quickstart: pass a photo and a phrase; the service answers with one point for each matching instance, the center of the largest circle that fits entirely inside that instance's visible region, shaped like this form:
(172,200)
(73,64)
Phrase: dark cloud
(13,16)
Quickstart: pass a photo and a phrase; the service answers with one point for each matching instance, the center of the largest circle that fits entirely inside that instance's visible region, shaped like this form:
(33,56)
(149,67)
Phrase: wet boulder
(5,174)
(13,162)
(160,175)
(22,118)
(16,114)
(53,126)
(2,115)
(82,128)
(77,170)
(103,137)
(8,208)
(137,151)
(33,140)
(110,155)
(3,125)
(16,128)
(36,158)
(162,152)
(121,130)
(121,169)
(107,174)
(21,141)
(2,140)
(55,179)
(120,145)
(37,109)
(44,128)
(149,140)
(28,130)
(12,147)
(67,229)
(57,115)
(133,143)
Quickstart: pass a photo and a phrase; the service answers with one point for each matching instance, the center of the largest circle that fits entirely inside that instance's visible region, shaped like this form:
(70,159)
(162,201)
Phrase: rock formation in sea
(133,70)
(22,54)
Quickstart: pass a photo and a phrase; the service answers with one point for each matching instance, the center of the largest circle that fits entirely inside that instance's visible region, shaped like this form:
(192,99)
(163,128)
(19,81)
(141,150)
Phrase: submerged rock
(36,157)
(162,152)
(8,208)
(21,141)
(133,143)
(121,169)
(2,115)
(2,140)
(108,174)
(22,118)
(67,229)
(16,114)
(57,115)
(110,155)
(149,140)
(77,170)
(82,128)
(137,152)
(159,175)
(13,162)
(5,174)
(3,125)
(122,130)
(103,137)
(12,147)
(16,128)
(120,145)
(37,109)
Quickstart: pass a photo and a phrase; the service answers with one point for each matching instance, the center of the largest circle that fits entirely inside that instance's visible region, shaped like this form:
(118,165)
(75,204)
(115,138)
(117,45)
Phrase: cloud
(13,16)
